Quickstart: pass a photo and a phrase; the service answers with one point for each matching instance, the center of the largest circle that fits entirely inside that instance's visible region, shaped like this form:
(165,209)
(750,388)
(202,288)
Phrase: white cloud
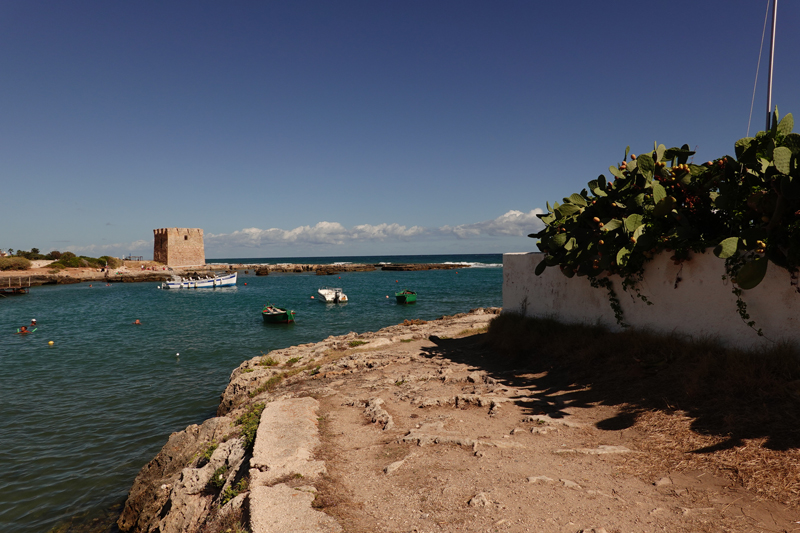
(513,224)
(317,237)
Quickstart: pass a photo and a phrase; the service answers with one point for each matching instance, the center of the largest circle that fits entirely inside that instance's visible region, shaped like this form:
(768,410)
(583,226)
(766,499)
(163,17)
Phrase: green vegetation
(234,490)
(747,208)
(249,424)
(353,344)
(268,385)
(217,481)
(205,455)
(63,260)
(269,361)
(292,361)
(70,260)
(14,263)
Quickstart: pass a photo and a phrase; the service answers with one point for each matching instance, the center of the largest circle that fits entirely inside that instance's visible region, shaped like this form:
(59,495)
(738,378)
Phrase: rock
(378,414)
(570,484)
(281,508)
(479,500)
(394,466)
(475,377)
(603,449)
(540,479)
(155,482)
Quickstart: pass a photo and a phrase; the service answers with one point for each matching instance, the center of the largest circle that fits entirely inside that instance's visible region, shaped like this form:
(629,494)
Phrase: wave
(476,265)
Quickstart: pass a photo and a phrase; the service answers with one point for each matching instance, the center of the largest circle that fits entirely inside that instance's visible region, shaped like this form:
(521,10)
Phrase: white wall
(700,304)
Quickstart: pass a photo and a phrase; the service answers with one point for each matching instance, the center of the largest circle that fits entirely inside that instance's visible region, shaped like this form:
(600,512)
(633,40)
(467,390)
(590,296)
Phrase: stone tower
(179,246)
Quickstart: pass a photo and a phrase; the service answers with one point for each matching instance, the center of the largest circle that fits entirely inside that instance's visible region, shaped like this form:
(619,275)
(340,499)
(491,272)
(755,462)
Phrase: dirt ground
(435,435)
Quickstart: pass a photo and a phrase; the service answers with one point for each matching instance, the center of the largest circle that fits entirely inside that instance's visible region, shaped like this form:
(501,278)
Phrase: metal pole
(771,61)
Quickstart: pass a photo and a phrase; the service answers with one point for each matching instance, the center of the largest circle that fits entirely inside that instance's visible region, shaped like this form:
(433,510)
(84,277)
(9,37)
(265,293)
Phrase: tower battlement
(179,246)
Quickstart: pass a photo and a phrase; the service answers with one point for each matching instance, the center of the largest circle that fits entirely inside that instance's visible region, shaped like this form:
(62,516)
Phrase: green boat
(275,315)
(406,297)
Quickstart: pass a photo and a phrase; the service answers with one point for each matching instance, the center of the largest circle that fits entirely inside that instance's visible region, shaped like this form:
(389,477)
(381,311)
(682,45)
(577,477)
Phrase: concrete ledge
(690,299)
(284,509)
(285,442)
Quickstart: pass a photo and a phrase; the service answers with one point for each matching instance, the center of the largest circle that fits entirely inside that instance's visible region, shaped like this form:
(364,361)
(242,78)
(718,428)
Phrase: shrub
(14,263)
(111,262)
(70,260)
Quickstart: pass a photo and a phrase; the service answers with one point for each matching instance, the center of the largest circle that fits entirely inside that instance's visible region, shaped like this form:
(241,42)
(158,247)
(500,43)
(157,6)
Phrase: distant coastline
(144,271)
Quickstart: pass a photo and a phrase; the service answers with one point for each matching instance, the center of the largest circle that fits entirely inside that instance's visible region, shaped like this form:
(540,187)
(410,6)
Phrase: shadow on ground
(729,394)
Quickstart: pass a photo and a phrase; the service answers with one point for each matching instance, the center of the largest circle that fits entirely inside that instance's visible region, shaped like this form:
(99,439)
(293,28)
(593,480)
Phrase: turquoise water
(82,416)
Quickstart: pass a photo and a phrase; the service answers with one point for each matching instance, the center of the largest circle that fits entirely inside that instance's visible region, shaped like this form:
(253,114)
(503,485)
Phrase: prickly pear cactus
(747,207)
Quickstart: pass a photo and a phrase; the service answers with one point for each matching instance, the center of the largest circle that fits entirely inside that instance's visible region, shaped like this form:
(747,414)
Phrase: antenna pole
(771,62)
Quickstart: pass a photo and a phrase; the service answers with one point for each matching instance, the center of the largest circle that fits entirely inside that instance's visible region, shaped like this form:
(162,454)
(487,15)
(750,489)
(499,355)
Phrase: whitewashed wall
(689,299)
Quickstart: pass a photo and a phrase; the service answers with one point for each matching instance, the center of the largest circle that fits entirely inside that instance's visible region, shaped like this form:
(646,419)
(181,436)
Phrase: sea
(88,398)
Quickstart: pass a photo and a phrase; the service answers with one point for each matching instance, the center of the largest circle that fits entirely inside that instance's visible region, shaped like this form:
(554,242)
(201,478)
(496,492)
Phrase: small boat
(275,315)
(406,297)
(332,295)
(197,282)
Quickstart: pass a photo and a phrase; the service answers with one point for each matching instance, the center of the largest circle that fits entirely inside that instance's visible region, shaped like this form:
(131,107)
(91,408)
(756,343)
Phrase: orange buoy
(245,283)
(312,297)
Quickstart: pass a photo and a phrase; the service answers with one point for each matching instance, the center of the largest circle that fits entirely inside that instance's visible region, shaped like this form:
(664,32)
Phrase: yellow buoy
(51,343)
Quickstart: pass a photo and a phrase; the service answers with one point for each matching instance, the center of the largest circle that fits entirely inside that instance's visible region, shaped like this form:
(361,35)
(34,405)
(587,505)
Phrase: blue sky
(349,128)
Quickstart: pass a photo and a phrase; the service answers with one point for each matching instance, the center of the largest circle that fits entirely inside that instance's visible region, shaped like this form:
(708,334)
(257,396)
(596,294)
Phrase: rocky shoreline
(44,276)
(225,469)
(420,427)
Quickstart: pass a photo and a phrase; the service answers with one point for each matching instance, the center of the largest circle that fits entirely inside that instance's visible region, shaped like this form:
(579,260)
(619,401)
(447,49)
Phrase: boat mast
(771,61)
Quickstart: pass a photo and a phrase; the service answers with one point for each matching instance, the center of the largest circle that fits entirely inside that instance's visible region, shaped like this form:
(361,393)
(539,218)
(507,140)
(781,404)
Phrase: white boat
(332,296)
(197,282)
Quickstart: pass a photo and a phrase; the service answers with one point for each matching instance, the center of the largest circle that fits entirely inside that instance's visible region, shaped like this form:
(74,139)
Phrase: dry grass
(672,445)
(695,402)
(333,498)
(473,331)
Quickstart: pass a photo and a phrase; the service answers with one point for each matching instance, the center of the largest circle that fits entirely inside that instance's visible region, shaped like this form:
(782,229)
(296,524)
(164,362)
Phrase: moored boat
(332,295)
(197,282)
(276,315)
(406,297)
